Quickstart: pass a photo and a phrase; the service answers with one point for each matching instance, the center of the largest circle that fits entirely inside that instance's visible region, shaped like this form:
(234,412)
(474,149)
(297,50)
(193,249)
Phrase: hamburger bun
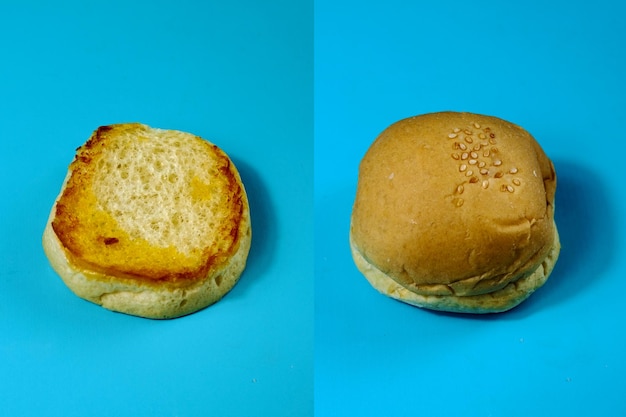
(149,222)
(455,212)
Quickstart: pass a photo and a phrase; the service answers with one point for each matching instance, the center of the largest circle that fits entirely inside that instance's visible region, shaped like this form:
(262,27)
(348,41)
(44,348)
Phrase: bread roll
(149,222)
(455,212)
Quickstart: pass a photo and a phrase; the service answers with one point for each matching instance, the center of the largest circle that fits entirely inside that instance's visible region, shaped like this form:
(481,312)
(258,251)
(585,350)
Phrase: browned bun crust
(455,205)
(149,222)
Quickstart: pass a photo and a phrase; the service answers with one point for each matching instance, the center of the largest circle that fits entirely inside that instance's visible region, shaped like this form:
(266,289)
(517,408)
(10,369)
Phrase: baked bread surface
(455,204)
(149,222)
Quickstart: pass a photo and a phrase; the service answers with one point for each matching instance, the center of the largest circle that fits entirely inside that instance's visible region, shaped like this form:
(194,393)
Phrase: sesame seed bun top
(454,204)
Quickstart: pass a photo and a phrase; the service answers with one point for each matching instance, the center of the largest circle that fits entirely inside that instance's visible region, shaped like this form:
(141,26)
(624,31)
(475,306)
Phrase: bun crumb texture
(456,212)
(149,222)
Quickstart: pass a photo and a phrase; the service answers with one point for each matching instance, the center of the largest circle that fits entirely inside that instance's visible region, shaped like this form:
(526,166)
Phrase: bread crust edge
(497,301)
(143,299)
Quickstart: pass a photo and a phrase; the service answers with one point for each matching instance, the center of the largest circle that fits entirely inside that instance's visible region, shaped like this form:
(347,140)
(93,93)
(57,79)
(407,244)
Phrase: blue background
(238,73)
(557,69)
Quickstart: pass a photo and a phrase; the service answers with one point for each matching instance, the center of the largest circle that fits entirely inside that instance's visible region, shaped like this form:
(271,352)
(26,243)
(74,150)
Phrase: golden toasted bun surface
(454,204)
(159,300)
(149,208)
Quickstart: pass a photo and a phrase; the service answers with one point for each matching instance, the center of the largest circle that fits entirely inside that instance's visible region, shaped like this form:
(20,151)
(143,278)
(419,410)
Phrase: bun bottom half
(145,299)
(497,301)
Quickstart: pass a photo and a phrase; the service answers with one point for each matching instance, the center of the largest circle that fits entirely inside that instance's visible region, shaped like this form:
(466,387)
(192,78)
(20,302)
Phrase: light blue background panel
(555,68)
(239,74)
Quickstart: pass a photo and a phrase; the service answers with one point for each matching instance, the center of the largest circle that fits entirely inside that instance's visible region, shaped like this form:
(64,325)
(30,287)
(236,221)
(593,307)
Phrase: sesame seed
(485,183)
(467,132)
(510,188)
(469,139)
(492,141)
(472,162)
(477,147)
(482,136)
(469,173)
(462,167)
(473,180)
(452,135)
(456,145)
(456,130)
(486,153)
(474,155)
(481,164)
(494,149)
(517,182)
(492,135)
(513,170)
(462,146)
(459,189)
(484,171)
(455,156)
(458,202)
(498,174)
(391,176)
(476,125)
(497,162)
(464,155)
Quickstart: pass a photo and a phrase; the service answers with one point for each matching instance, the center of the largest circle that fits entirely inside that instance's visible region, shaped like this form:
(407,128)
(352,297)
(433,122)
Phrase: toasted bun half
(149,222)
(455,212)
